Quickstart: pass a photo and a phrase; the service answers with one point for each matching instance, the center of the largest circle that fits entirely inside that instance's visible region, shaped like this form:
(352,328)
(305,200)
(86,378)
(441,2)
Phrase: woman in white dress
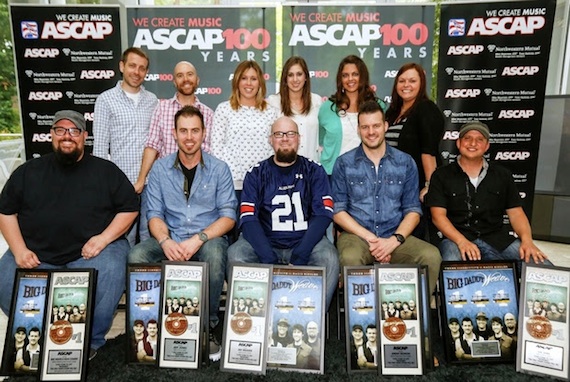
(296,101)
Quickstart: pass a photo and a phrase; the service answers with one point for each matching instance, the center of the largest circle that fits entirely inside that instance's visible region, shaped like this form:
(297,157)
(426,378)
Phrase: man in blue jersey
(286,208)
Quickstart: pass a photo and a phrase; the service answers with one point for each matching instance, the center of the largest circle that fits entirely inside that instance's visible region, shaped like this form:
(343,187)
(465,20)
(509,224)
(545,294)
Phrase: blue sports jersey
(284,199)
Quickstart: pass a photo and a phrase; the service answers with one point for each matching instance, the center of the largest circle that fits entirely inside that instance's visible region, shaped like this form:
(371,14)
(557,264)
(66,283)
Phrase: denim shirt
(378,201)
(212,195)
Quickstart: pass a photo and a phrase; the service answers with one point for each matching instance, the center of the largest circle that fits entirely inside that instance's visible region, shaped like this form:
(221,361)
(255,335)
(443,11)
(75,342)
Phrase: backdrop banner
(214,40)
(493,60)
(385,37)
(65,57)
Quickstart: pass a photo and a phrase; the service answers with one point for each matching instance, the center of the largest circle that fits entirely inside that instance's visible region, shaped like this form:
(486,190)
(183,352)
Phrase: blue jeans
(111,280)
(324,254)
(214,252)
(450,252)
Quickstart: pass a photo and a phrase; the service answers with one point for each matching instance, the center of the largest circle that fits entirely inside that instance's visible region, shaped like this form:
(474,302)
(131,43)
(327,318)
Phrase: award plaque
(25,323)
(426,318)
(245,326)
(66,339)
(297,319)
(480,305)
(181,327)
(401,330)
(360,323)
(143,297)
(543,321)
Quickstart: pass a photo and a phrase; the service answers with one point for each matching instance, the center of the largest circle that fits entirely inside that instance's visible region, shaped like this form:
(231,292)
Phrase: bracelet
(427,184)
(163,240)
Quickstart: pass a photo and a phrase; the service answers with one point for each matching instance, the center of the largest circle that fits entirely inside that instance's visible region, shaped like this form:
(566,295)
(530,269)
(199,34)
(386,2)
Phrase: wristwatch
(400,238)
(202,236)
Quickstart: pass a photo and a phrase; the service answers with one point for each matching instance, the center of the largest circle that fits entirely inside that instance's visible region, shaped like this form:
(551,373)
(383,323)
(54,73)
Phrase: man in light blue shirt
(377,204)
(191,206)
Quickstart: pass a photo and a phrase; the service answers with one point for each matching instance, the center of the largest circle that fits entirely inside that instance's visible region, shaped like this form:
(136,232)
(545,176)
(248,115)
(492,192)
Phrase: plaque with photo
(180,332)
(245,327)
(401,331)
(25,323)
(426,318)
(67,335)
(297,319)
(142,318)
(543,333)
(479,311)
(360,323)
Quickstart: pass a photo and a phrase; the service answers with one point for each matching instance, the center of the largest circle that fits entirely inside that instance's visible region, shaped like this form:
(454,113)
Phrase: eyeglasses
(60,131)
(281,134)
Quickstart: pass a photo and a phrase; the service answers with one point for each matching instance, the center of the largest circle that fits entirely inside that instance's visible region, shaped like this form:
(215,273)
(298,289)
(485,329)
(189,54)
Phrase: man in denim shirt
(375,191)
(191,206)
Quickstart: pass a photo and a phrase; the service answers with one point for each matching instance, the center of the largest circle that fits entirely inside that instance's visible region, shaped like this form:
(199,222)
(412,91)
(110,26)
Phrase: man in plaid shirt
(160,142)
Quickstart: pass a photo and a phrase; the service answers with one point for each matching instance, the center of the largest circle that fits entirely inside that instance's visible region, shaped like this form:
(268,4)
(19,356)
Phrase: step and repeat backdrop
(493,59)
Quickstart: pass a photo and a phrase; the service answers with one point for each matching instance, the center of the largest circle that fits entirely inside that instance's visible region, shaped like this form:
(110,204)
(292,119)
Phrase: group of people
(186,306)
(363,347)
(267,175)
(555,311)
(75,314)
(251,306)
(404,310)
(304,339)
(462,335)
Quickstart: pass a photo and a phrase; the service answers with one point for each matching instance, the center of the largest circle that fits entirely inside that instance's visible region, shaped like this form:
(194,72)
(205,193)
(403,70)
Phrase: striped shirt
(120,128)
(160,135)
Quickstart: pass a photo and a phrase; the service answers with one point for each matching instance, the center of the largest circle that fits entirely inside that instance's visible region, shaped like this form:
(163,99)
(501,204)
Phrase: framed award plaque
(426,318)
(66,341)
(480,305)
(180,338)
(401,330)
(142,318)
(245,326)
(360,323)
(543,332)
(22,347)
(297,319)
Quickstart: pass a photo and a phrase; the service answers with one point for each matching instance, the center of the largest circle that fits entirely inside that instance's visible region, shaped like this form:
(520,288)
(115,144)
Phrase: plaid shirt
(120,128)
(160,135)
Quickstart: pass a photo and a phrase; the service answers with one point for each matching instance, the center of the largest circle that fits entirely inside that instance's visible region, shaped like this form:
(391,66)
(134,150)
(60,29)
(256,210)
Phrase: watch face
(203,237)
(400,238)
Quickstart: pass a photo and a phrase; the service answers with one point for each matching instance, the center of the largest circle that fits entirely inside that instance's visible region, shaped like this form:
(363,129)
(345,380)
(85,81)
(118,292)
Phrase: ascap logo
(451,135)
(77,30)
(71,280)
(159,77)
(335,35)
(97,74)
(462,93)
(461,50)
(512,155)
(208,91)
(520,70)
(506,26)
(88,116)
(41,53)
(516,114)
(41,137)
(391,74)
(44,96)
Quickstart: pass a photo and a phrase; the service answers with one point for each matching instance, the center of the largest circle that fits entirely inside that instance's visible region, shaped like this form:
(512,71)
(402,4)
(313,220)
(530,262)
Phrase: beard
(286,156)
(67,159)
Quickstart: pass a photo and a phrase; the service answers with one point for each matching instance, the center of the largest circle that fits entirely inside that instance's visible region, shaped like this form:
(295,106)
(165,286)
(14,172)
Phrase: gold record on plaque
(394,328)
(241,323)
(539,327)
(176,324)
(60,332)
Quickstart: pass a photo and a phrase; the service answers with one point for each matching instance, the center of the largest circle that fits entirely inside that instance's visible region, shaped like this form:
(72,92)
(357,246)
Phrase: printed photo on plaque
(480,309)
(360,323)
(142,318)
(22,347)
(245,326)
(401,334)
(296,323)
(544,331)
(179,335)
(66,341)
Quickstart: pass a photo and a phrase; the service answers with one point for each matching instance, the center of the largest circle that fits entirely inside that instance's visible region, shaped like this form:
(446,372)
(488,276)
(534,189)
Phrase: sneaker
(92,354)
(215,348)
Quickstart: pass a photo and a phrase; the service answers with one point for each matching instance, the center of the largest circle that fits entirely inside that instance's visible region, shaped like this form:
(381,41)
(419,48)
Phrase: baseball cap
(357,327)
(474,125)
(453,320)
(481,315)
(139,322)
(75,117)
(283,321)
(21,329)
